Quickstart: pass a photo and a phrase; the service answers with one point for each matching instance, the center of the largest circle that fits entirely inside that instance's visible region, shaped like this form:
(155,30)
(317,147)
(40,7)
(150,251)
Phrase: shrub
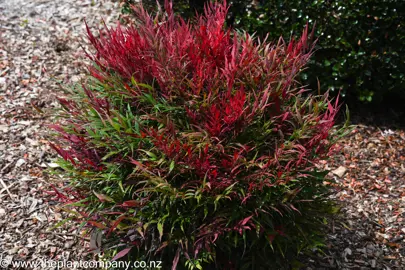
(361,43)
(194,145)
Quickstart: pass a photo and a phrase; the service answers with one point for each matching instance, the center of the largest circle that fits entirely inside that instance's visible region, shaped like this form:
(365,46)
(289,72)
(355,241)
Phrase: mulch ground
(39,52)
(369,181)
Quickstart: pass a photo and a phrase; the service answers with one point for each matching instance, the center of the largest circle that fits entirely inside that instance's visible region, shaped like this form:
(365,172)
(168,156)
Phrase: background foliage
(361,47)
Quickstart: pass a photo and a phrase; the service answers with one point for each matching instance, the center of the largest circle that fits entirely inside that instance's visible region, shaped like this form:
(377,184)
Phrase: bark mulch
(368,177)
(39,54)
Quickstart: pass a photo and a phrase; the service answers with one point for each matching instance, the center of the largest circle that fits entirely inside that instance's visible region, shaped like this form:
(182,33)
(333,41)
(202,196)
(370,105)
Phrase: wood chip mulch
(39,52)
(369,175)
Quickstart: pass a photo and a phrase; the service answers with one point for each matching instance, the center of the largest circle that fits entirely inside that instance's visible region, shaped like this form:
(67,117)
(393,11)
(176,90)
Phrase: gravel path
(39,52)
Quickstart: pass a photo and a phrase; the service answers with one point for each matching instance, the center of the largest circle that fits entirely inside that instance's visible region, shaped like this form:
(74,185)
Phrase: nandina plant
(193,145)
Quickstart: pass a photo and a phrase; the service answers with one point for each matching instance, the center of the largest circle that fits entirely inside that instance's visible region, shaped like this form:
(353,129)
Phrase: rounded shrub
(192,144)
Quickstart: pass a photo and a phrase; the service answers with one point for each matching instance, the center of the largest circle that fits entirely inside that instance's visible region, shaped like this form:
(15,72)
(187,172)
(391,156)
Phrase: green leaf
(160,230)
(171,166)
(150,154)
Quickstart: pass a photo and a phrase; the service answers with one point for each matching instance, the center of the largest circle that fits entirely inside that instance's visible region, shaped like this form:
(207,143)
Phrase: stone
(339,171)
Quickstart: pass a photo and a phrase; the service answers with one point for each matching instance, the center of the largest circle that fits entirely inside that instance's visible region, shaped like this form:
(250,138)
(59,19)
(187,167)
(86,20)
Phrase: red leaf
(96,224)
(244,221)
(164,244)
(271,237)
(176,259)
(122,253)
(295,209)
(130,203)
(116,223)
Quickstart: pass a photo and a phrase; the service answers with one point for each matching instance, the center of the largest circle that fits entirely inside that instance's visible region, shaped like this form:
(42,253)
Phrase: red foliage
(235,115)
(224,81)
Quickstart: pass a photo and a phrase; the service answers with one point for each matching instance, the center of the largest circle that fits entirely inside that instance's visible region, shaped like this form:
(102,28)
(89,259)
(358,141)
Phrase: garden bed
(39,49)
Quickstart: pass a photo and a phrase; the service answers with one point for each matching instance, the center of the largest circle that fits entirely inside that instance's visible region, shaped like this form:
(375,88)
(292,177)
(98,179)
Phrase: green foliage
(361,46)
(193,145)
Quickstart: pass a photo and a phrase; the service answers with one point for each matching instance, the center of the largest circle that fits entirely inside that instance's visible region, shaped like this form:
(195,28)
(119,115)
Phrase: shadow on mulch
(389,114)
(368,234)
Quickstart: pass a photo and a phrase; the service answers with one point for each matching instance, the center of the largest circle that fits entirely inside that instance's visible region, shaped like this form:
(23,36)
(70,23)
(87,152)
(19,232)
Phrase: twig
(5,167)
(6,188)
(4,71)
(36,209)
(12,184)
(29,229)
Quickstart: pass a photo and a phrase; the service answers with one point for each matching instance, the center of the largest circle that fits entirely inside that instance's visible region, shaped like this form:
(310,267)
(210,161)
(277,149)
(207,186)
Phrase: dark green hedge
(361,46)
